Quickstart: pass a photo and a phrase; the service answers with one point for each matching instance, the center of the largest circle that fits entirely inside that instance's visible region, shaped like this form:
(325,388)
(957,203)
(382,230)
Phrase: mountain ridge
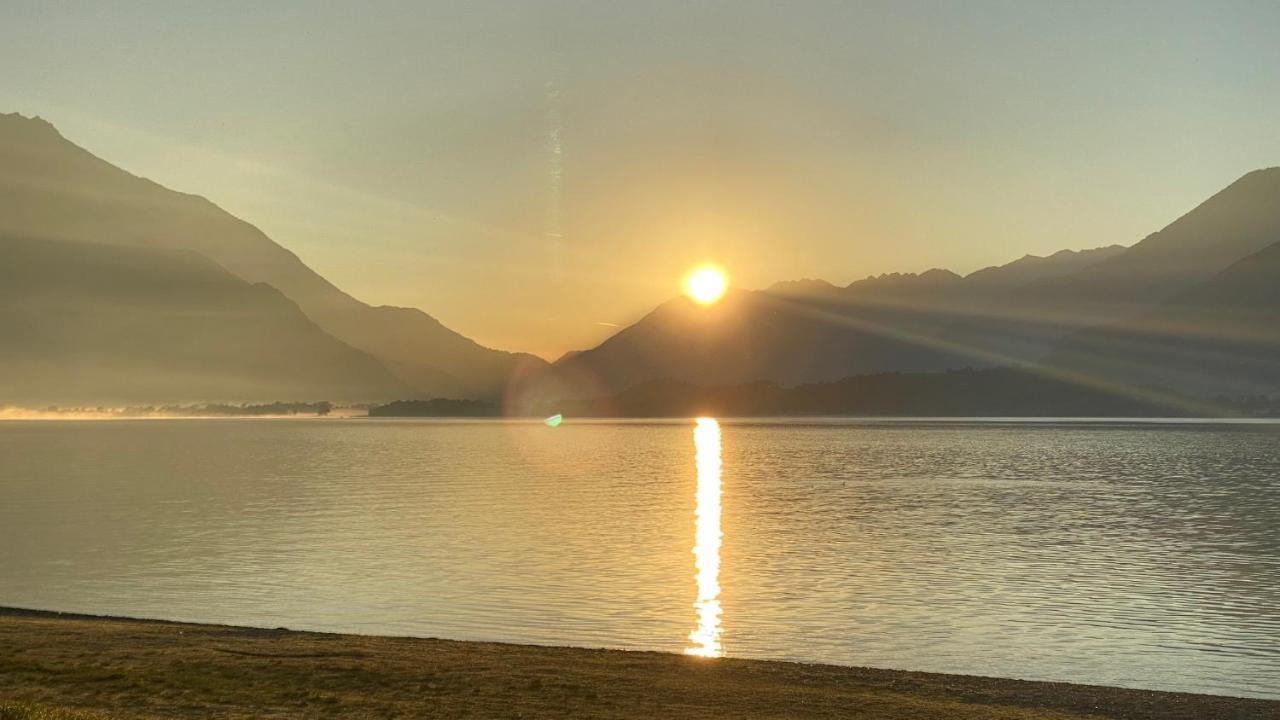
(145,325)
(812,331)
(1067,309)
(52,187)
(1229,323)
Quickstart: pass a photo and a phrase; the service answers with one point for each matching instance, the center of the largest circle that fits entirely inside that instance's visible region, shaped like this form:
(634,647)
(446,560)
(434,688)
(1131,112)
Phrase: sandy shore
(55,666)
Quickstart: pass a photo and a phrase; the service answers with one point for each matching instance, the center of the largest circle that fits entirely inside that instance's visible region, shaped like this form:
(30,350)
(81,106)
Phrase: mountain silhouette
(1191,307)
(1234,223)
(51,188)
(1033,268)
(811,331)
(93,324)
(1220,337)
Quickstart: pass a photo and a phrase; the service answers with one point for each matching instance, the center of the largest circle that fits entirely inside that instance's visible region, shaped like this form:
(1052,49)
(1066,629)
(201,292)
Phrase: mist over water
(1143,555)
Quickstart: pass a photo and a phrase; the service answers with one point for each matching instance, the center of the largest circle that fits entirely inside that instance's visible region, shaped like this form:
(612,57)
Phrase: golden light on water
(706,548)
(706,284)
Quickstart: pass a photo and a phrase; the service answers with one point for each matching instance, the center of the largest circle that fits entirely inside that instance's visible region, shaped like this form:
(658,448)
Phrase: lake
(1118,553)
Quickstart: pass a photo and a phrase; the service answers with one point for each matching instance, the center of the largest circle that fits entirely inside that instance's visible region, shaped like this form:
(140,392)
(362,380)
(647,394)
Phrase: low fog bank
(216,410)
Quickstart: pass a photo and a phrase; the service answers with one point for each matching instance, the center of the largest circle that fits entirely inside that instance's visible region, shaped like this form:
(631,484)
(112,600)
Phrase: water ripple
(1113,553)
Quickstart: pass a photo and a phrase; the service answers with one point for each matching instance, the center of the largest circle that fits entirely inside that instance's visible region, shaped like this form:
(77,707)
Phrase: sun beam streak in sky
(554,118)
(706,549)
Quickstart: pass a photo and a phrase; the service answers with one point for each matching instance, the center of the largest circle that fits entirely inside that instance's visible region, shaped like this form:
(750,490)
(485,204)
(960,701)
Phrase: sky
(536,174)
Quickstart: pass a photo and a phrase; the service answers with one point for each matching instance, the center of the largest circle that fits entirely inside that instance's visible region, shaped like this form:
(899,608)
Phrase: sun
(705,284)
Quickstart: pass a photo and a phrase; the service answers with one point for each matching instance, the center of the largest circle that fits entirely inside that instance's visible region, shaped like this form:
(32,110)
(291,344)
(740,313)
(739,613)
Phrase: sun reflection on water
(706,548)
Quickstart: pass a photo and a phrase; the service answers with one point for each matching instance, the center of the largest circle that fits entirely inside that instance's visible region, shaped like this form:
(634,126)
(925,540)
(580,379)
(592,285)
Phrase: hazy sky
(530,172)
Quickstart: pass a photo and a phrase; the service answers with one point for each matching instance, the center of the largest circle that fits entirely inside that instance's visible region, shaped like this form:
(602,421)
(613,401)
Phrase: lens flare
(706,548)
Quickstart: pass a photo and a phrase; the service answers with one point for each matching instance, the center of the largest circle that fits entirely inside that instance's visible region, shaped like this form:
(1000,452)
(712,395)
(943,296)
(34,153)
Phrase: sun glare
(706,284)
(706,549)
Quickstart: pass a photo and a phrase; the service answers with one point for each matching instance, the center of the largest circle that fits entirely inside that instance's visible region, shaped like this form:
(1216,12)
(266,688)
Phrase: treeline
(439,407)
(996,392)
(999,392)
(275,408)
(196,410)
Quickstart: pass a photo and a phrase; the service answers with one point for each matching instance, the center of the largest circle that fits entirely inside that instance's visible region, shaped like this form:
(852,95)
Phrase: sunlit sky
(536,173)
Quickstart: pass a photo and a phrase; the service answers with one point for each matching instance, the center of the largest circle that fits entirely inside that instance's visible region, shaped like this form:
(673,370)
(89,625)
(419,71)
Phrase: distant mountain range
(1221,336)
(87,322)
(1192,307)
(811,331)
(53,190)
(115,290)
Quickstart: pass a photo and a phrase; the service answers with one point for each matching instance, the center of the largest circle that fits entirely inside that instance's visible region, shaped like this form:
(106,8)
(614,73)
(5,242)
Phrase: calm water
(1129,554)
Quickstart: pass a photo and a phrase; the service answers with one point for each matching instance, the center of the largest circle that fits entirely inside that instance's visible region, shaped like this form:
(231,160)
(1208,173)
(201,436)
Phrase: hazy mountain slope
(934,280)
(747,336)
(90,323)
(1023,271)
(1033,268)
(1234,223)
(811,331)
(51,188)
(1222,336)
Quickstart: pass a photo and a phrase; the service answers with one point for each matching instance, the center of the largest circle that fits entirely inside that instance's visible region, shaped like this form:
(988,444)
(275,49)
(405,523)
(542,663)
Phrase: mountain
(94,324)
(52,188)
(750,336)
(804,331)
(811,331)
(1033,268)
(1220,337)
(1234,223)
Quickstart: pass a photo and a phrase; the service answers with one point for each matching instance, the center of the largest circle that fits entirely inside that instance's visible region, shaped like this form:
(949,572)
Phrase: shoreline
(112,667)
(668,419)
